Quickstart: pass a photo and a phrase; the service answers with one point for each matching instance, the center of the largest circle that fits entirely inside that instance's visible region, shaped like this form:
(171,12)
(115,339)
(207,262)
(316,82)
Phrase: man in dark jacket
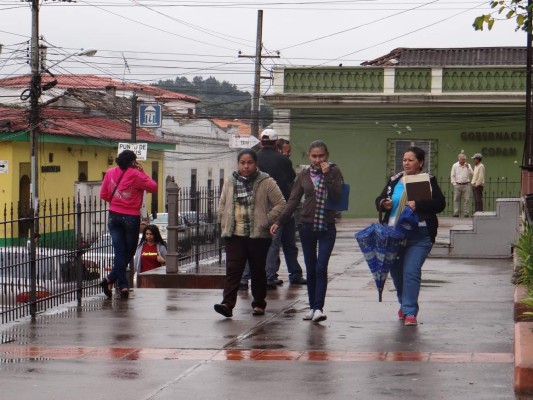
(279,167)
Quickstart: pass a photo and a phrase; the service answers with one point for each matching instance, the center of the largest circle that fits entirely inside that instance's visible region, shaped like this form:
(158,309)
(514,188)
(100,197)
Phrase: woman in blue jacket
(406,272)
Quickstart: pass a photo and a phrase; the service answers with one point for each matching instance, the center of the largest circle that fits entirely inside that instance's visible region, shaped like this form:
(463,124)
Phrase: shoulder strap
(116,187)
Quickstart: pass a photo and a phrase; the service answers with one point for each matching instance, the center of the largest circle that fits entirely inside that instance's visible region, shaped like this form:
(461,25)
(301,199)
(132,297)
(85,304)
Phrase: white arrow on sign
(3,166)
(242,142)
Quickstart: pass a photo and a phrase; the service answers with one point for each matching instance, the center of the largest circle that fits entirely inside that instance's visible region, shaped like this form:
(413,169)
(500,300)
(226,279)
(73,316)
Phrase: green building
(447,101)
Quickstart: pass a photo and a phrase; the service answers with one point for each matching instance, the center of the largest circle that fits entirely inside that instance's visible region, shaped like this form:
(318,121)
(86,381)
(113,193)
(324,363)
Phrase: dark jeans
(285,238)
(124,231)
(478,198)
(240,249)
(317,264)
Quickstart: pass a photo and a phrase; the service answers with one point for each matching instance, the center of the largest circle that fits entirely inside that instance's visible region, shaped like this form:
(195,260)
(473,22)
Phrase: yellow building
(73,147)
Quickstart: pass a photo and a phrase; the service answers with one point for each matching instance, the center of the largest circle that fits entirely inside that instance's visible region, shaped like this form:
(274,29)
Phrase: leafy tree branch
(518,11)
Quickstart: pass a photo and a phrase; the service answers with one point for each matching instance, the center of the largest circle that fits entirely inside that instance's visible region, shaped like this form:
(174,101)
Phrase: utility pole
(527,158)
(35,93)
(134,117)
(257,75)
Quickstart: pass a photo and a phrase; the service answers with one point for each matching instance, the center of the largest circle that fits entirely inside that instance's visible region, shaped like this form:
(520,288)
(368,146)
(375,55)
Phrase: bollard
(172,229)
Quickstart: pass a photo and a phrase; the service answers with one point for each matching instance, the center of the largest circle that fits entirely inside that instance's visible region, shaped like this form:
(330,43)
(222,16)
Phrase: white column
(436,80)
(388,80)
(278,83)
(282,123)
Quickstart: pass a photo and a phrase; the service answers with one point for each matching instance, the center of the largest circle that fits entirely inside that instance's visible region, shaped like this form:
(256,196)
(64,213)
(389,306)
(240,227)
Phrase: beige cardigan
(267,205)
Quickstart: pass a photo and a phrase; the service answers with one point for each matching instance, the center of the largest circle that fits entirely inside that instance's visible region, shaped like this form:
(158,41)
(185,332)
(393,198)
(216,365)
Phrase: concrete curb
(523,344)
(523,357)
(520,293)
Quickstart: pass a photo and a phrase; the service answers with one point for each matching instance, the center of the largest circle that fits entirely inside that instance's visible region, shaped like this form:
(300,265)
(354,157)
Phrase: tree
(517,10)
(219,99)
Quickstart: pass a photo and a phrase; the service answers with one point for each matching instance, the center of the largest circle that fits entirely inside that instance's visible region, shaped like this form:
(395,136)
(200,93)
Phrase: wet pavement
(169,343)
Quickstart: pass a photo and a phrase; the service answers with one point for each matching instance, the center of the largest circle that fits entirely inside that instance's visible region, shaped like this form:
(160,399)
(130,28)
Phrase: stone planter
(520,293)
(523,344)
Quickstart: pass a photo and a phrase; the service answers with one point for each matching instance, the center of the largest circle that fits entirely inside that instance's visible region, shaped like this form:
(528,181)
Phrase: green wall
(360,139)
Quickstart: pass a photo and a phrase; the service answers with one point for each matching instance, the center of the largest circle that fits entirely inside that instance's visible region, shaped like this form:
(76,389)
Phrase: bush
(524,249)
(524,271)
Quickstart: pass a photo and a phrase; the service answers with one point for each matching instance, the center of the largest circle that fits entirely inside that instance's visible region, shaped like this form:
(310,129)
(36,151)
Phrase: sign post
(242,142)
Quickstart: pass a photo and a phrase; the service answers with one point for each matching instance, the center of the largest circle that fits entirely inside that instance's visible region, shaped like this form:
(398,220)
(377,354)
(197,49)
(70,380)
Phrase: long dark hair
(157,235)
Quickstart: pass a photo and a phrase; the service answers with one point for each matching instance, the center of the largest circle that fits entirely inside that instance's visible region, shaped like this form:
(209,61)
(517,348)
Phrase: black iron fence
(72,250)
(494,188)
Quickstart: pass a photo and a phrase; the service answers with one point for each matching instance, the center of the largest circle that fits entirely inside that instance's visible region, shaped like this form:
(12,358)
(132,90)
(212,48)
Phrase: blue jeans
(124,231)
(317,264)
(406,272)
(285,237)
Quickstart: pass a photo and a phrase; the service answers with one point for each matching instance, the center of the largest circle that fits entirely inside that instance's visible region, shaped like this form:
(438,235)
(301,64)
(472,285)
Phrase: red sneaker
(401,314)
(410,320)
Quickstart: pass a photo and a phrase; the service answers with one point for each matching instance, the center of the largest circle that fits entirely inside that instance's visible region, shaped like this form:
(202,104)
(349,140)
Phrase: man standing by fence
(460,177)
(478,180)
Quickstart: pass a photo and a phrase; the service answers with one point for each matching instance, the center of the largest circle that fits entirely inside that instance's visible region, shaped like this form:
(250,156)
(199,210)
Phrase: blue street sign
(150,116)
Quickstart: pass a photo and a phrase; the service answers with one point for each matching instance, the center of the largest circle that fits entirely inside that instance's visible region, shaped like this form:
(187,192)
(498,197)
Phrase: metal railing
(494,188)
(73,250)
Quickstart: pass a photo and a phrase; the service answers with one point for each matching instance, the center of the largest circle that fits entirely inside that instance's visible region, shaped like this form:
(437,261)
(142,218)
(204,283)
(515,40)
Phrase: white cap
(269,134)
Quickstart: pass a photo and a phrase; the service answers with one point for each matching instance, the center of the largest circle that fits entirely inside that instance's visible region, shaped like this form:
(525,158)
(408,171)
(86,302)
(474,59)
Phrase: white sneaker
(308,315)
(319,316)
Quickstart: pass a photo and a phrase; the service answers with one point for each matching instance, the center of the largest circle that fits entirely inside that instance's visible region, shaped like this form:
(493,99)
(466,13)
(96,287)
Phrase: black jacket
(426,209)
(278,167)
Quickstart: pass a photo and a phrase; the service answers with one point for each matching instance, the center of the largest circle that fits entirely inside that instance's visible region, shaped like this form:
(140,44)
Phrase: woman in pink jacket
(123,188)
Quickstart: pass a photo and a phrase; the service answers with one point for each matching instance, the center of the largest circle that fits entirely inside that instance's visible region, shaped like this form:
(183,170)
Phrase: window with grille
(396,150)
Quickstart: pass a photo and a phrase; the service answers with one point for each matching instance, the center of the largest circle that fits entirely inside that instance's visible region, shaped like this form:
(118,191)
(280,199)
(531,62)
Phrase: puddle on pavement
(125,374)
(291,311)
(23,360)
(271,346)
(428,283)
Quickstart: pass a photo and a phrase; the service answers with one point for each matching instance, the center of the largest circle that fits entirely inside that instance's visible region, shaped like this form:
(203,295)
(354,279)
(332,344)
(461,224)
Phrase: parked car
(100,254)
(55,273)
(201,229)
(184,238)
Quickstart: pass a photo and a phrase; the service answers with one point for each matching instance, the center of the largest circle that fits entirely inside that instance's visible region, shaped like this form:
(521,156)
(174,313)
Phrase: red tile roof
(242,127)
(97,83)
(68,123)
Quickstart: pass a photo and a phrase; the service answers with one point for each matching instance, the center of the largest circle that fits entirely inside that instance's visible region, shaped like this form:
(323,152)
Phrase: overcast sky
(163,39)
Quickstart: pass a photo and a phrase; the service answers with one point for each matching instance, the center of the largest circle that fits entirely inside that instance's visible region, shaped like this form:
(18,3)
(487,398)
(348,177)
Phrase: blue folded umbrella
(380,244)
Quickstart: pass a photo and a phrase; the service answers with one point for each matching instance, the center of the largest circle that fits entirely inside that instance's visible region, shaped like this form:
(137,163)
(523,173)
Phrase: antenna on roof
(126,66)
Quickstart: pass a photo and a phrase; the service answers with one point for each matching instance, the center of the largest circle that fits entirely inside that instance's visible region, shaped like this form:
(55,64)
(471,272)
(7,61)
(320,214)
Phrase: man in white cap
(478,180)
(460,177)
(279,167)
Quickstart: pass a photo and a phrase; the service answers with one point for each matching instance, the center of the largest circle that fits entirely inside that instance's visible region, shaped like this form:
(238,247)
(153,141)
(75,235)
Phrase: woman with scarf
(249,203)
(406,272)
(317,228)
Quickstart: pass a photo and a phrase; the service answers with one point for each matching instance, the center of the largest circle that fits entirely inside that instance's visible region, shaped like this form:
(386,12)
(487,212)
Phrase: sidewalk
(169,343)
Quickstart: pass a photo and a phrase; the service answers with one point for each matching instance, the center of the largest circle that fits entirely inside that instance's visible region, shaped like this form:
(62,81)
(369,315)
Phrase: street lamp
(87,53)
